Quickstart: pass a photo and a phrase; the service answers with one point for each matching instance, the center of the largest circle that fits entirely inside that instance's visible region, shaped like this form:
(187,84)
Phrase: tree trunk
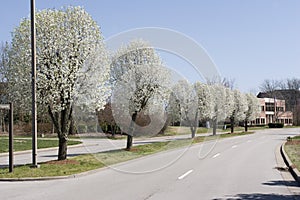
(232,124)
(131,131)
(193,132)
(61,121)
(72,129)
(113,130)
(129,142)
(215,126)
(246,126)
(62,148)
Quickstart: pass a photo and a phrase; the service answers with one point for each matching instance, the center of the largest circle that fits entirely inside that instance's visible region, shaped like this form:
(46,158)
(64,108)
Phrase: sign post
(10,134)
(11,138)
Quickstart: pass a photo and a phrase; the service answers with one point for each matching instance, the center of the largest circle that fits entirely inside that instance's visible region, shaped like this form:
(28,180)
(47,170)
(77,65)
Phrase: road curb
(294,171)
(49,178)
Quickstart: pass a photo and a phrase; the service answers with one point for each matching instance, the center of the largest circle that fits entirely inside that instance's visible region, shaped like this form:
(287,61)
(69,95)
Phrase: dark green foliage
(275,125)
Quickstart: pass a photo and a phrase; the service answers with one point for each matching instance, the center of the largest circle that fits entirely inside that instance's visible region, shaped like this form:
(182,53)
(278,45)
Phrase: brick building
(274,110)
(292,101)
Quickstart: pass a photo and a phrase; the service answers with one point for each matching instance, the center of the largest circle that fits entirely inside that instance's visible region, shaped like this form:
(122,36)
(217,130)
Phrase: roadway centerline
(216,155)
(185,174)
(234,146)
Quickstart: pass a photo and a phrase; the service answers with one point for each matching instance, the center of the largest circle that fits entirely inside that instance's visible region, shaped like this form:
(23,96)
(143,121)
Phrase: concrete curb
(294,171)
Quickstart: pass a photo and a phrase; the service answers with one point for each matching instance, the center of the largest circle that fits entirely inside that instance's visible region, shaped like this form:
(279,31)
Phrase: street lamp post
(33,81)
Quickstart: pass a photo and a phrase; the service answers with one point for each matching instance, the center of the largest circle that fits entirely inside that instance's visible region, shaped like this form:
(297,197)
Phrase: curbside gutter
(294,171)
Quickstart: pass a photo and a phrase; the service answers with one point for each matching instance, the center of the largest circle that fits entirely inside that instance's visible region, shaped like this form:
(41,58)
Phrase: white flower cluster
(72,63)
(140,84)
(212,102)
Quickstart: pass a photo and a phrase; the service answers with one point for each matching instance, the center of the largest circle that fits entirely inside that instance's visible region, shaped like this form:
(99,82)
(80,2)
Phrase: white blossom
(140,84)
(253,109)
(187,99)
(71,60)
(240,106)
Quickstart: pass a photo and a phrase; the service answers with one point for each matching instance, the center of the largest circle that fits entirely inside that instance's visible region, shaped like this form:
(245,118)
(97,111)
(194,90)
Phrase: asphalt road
(235,168)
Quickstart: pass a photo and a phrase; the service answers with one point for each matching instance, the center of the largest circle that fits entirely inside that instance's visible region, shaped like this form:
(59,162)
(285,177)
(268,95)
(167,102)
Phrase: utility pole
(33,81)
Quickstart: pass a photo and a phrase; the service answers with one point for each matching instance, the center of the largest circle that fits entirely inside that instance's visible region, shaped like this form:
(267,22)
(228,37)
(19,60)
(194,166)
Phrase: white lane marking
(249,141)
(216,155)
(234,146)
(185,174)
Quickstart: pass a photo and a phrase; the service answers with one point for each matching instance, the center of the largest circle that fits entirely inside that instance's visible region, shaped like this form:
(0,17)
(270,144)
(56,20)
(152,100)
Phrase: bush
(275,125)
(92,128)
(82,128)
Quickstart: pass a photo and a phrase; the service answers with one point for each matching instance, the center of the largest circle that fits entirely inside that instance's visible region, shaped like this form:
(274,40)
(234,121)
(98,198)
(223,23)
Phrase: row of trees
(270,85)
(75,72)
(212,102)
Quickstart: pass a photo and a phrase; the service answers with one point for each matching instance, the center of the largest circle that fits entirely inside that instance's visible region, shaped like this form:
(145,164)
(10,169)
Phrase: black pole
(33,65)
(11,140)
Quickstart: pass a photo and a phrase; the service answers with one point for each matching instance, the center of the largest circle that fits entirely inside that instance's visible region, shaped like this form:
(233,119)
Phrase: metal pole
(33,65)
(11,139)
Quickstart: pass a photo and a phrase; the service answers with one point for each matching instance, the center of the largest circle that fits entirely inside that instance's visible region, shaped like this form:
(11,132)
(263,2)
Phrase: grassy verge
(88,162)
(292,148)
(183,130)
(22,144)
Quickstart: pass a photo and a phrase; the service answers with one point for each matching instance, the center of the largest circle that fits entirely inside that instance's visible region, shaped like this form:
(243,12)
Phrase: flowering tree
(187,98)
(72,66)
(205,100)
(253,109)
(173,109)
(222,104)
(240,107)
(140,85)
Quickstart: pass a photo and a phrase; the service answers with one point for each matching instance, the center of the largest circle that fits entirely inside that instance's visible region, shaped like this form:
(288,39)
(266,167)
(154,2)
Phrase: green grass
(292,148)
(88,162)
(22,144)
(80,164)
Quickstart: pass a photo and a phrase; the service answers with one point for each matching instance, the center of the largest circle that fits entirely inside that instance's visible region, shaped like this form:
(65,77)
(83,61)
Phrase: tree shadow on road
(282,183)
(258,196)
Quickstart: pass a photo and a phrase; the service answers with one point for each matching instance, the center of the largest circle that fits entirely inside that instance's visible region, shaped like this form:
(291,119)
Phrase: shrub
(82,128)
(275,125)
(92,128)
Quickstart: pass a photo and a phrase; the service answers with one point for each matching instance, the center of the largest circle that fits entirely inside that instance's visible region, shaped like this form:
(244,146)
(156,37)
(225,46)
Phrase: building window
(269,106)
(279,109)
(263,120)
(257,121)
(263,108)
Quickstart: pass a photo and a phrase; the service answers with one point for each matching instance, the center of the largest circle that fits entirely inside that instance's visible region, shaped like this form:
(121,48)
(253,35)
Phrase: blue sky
(248,40)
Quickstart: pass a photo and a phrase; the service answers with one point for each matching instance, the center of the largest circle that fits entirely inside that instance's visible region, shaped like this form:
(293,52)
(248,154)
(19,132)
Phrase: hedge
(275,125)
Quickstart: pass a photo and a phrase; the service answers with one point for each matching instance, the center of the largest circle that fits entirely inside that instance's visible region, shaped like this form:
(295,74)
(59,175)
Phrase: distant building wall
(273,110)
(292,101)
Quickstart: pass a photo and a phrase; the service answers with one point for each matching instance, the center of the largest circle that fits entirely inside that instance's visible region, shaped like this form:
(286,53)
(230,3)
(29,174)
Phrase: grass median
(292,148)
(83,163)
